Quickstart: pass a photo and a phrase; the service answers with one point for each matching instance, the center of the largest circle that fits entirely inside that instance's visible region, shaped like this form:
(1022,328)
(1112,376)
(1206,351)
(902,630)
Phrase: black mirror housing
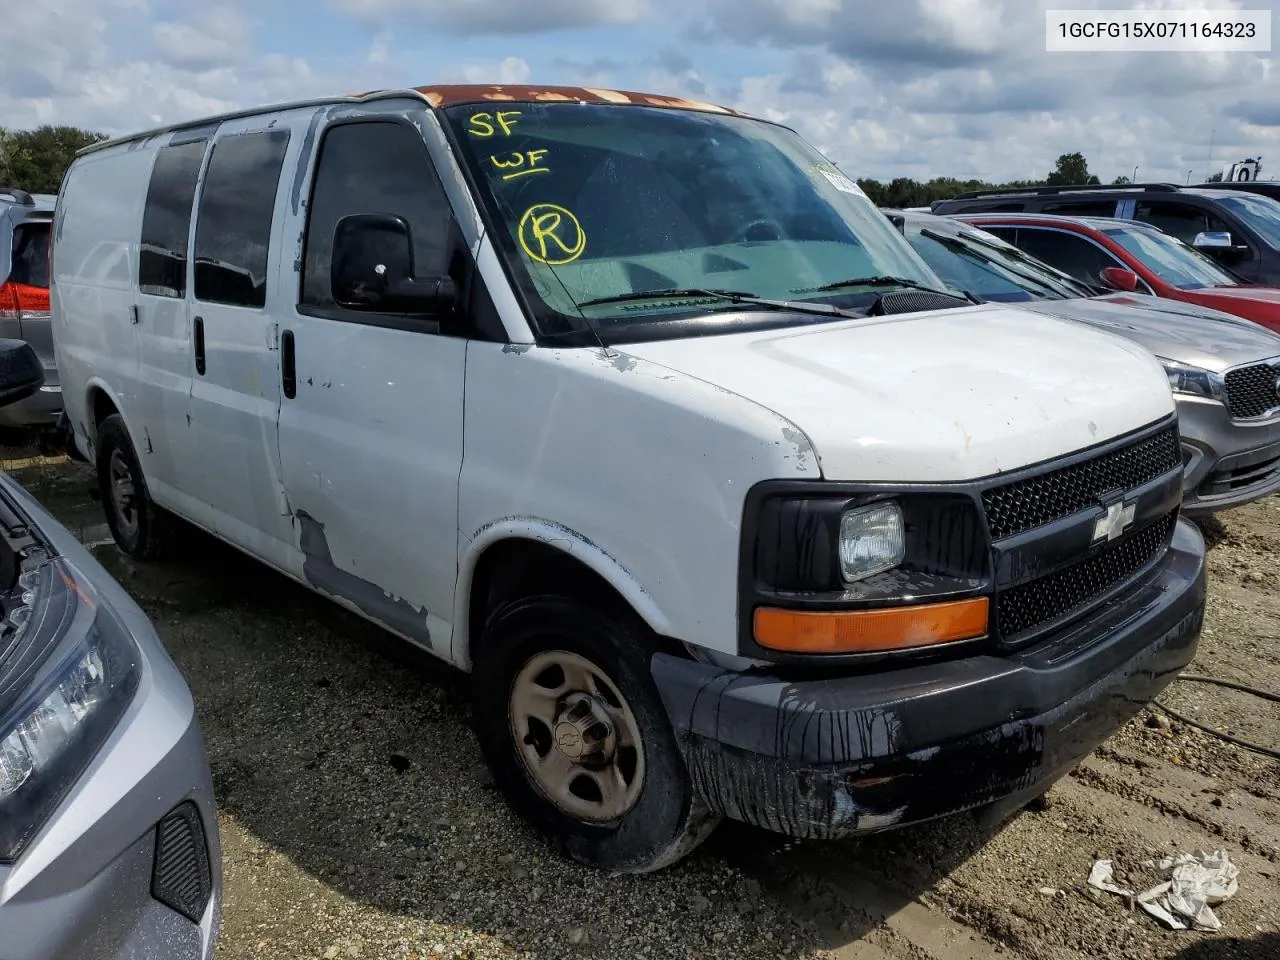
(21,373)
(373,269)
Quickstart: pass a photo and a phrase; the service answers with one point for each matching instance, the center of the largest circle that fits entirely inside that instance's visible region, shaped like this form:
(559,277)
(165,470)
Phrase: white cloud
(509,70)
(497,16)
(212,37)
(916,88)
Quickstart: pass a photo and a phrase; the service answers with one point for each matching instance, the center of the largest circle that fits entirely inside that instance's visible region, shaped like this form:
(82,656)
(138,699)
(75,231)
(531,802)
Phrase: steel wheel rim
(124,493)
(576,736)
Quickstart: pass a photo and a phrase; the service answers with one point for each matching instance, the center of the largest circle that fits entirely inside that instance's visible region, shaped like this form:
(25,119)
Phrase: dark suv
(24,299)
(1239,229)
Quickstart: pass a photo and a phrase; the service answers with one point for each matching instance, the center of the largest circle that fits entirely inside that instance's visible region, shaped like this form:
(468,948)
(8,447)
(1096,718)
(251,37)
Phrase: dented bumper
(826,758)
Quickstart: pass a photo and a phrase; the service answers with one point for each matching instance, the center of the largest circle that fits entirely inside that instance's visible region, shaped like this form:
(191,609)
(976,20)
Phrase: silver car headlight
(68,671)
(1193,381)
(872,540)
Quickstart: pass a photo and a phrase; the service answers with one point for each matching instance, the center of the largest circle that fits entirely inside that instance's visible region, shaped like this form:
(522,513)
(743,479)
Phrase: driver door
(370,428)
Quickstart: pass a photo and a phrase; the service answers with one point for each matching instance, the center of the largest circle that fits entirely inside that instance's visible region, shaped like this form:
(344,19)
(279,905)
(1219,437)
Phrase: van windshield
(607,203)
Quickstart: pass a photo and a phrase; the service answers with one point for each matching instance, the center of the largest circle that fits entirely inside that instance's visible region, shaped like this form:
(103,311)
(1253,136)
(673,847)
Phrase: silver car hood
(1185,332)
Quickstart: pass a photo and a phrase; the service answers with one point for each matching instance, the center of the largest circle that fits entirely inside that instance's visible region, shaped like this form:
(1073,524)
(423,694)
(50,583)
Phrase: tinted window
(368,168)
(1178,219)
(233,231)
(1071,254)
(31,254)
(1082,208)
(1007,234)
(166,220)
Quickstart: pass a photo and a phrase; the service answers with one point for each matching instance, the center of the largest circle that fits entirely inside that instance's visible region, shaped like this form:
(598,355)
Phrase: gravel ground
(358,821)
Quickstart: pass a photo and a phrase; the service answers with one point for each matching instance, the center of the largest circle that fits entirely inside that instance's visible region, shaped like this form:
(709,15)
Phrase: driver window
(1178,219)
(373,167)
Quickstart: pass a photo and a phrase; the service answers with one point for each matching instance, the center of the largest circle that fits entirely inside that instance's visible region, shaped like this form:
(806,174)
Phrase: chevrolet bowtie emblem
(1117,519)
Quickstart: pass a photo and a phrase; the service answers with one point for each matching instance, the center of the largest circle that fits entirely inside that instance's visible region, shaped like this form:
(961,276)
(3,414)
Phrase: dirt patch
(358,821)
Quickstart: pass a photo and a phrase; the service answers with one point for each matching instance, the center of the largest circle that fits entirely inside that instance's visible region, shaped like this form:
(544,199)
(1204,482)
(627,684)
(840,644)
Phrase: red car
(1128,255)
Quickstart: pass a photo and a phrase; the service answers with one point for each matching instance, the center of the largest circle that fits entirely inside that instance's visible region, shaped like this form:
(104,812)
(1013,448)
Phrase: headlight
(871,540)
(68,671)
(1184,378)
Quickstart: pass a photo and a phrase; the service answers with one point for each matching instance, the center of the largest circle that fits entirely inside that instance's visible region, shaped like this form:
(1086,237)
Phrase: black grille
(181,878)
(916,301)
(1252,391)
(1038,603)
(1059,493)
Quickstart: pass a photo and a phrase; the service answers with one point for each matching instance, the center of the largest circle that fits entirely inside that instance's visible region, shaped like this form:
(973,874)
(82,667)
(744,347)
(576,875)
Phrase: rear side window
(166,220)
(233,225)
(374,167)
(31,254)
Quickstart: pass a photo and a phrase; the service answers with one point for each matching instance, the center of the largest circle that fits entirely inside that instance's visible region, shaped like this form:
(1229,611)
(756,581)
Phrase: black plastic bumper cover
(853,755)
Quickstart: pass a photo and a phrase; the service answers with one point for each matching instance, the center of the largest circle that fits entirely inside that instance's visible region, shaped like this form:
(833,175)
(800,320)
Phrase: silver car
(24,300)
(108,832)
(1224,371)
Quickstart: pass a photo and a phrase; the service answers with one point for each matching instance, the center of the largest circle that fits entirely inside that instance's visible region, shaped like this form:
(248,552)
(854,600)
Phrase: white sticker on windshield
(843,183)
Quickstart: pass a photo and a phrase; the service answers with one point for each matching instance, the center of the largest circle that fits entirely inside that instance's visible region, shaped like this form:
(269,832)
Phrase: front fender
(570,542)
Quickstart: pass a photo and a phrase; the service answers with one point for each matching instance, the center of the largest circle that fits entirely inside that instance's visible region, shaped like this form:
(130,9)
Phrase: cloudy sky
(886,88)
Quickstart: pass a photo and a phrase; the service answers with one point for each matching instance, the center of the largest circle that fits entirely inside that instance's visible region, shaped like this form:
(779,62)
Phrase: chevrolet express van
(638,410)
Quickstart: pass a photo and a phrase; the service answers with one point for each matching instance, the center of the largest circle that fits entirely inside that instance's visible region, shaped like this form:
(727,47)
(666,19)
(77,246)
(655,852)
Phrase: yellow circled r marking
(551,234)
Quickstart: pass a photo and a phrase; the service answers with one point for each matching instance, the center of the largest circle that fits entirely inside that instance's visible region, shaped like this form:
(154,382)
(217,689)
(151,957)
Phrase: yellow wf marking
(482,124)
(550,234)
(521,164)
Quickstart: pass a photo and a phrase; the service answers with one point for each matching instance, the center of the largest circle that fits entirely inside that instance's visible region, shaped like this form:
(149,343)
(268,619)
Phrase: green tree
(1216,178)
(1120,181)
(1072,168)
(35,160)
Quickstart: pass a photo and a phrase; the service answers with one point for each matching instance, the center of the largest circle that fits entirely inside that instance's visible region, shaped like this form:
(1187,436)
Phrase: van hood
(1186,332)
(934,397)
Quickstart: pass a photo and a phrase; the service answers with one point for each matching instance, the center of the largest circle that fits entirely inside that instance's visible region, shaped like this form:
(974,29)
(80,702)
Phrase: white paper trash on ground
(1197,882)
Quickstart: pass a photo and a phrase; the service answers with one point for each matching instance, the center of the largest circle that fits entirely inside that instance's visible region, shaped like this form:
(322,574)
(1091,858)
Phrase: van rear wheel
(577,737)
(139,527)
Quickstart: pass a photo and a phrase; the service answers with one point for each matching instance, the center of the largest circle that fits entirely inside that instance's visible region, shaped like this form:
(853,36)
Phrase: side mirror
(372,269)
(1212,240)
(1219,245)
(21,373)
(1118,278)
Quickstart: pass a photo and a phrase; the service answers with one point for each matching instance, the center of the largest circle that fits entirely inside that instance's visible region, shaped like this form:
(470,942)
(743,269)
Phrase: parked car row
(24,300)
(640,412)
(1224,370)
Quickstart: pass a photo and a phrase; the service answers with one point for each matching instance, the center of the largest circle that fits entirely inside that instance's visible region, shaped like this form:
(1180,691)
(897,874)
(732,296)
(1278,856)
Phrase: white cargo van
(639,411)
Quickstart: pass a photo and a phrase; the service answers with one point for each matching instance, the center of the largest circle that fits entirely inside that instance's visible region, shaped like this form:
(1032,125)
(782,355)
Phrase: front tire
(574,730)
(140,528)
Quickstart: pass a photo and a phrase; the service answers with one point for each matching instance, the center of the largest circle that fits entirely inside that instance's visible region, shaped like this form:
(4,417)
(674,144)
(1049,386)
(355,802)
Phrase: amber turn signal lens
(869,631)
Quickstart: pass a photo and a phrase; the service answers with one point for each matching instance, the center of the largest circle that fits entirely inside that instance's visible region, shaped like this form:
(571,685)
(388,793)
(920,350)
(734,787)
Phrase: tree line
(35,160)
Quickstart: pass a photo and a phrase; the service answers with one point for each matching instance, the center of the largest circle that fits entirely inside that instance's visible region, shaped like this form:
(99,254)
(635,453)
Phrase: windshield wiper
(730,296)
(878,281)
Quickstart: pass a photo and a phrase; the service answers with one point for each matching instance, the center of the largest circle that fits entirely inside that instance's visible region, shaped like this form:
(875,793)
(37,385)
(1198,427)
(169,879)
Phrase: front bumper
(854,755)
(1228,463)
(83,888)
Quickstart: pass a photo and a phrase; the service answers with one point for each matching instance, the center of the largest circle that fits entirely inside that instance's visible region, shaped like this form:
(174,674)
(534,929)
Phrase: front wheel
(140,528)
(575,732)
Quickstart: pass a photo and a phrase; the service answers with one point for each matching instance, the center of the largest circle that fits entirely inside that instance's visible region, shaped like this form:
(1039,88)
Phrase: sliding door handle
(288,365)
(199,338)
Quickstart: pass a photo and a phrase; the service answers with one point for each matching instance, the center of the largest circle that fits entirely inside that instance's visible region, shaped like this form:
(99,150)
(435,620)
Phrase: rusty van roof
(448,95)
